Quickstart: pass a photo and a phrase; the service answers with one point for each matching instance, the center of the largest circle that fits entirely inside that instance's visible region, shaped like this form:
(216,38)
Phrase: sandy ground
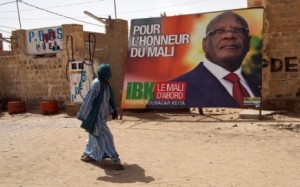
(157,149)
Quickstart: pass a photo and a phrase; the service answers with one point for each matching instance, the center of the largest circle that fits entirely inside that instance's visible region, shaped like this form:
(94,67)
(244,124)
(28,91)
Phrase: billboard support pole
(206,116)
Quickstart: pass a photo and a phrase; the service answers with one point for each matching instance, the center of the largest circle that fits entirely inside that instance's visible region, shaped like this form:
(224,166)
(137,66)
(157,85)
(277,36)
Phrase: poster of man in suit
(197,60)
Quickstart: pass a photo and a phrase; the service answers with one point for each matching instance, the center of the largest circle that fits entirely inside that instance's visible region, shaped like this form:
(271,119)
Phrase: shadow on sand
(132,173)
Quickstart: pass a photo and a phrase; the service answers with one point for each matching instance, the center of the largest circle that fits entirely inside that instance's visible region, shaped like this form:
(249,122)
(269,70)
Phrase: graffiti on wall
(44,40)
(288,64)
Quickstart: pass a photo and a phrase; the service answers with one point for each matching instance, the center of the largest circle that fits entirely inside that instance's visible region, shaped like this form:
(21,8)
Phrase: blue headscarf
(103,72)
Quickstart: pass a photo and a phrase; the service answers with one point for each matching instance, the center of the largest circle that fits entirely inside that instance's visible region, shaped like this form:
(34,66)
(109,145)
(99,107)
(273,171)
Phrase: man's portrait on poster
(219,81)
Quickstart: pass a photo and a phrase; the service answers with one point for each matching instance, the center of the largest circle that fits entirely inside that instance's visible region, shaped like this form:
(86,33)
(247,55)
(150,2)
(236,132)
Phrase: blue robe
(100,144)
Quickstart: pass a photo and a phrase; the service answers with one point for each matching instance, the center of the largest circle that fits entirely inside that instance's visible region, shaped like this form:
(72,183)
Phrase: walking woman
(97,106)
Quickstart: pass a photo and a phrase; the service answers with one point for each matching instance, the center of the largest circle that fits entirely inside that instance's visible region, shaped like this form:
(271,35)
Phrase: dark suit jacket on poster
(204,90)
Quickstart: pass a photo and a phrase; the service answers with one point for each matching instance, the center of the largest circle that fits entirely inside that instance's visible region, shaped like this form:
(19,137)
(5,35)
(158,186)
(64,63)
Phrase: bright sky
(41,13)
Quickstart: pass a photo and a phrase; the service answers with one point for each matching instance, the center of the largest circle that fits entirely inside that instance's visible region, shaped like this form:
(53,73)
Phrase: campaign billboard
(44,40)
(196,60)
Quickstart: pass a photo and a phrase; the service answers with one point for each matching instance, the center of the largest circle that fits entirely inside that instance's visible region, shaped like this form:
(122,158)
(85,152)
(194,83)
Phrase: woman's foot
(117,165)
(86,158)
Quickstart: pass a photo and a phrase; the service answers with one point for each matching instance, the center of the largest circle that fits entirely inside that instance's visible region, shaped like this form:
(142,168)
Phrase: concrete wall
(33,78)
(281,72)
(1,43)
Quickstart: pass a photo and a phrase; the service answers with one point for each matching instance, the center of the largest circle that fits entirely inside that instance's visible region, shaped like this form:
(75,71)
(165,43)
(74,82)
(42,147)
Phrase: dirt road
(157,149)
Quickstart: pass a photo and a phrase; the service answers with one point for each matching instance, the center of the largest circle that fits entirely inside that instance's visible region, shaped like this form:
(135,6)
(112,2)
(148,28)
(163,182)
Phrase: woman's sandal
(118,166)
(86,158)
